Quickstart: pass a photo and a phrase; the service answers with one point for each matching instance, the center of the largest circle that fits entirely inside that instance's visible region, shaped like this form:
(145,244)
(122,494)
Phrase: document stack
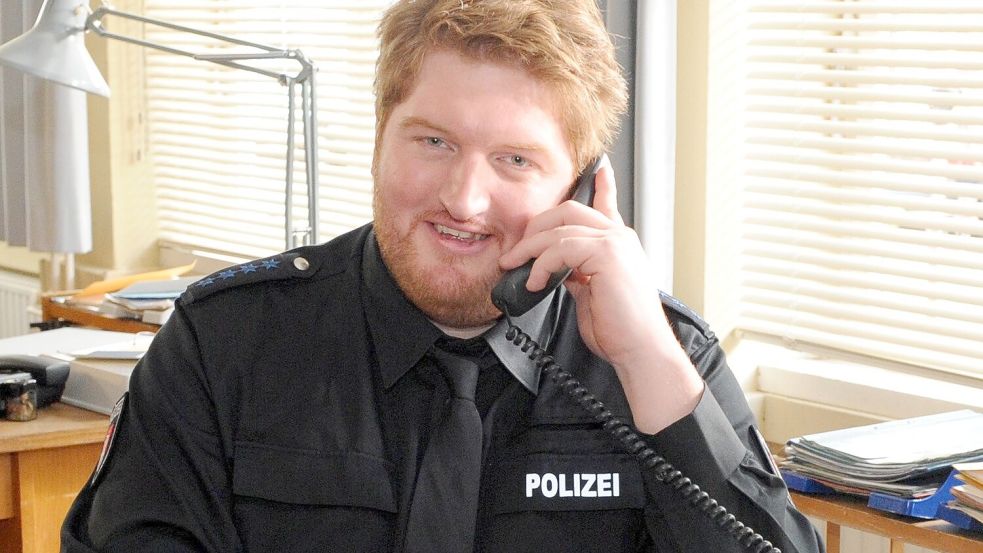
(151,301)
(907,459)
(968,495)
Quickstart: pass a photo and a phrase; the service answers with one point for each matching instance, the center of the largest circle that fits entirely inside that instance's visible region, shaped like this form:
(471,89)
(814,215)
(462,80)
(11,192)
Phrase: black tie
(445,504)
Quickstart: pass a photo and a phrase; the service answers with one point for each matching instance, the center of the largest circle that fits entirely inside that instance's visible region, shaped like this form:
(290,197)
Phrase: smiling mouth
(460,234)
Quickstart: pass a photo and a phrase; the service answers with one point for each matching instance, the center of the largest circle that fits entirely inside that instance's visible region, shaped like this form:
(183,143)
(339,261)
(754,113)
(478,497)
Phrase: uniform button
(301,264)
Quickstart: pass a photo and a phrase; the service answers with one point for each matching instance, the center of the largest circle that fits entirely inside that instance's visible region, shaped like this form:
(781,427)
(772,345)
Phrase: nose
(465,194)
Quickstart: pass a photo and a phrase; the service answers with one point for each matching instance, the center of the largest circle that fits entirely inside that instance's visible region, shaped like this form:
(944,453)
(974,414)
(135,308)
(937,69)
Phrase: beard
(455,297)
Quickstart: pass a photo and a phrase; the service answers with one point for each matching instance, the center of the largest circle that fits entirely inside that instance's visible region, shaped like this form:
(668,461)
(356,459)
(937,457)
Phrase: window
(218,135)
(862,171)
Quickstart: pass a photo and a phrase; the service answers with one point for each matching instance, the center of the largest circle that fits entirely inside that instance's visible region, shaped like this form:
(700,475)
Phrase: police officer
(289,403)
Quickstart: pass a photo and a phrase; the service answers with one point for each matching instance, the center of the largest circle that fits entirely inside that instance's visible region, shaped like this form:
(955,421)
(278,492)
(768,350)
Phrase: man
(296,403)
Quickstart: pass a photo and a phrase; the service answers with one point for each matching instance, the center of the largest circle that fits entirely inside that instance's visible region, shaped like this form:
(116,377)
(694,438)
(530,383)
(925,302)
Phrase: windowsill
(795,392)
(863,388)
(206,262)
(20,259)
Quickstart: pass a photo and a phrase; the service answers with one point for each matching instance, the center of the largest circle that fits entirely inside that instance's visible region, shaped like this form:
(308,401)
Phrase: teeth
(459,234)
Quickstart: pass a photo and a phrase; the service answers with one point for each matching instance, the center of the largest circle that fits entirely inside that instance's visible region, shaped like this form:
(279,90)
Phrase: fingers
(566,236)
(556,250)
(575,252)
(567,214)
(602,214)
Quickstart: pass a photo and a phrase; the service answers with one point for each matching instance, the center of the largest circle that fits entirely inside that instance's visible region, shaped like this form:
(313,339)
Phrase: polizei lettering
(574,485)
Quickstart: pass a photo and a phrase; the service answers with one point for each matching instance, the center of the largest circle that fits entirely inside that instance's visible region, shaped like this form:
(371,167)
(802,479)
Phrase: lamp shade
(54,48)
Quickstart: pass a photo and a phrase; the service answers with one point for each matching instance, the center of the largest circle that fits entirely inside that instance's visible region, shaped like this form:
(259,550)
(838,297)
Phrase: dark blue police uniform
(286,404)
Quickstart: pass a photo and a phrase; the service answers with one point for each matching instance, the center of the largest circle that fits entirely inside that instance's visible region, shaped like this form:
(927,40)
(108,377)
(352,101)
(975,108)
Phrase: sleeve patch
(115,418)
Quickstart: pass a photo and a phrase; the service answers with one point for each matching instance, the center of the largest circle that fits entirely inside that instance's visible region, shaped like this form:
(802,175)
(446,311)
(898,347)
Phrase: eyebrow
(414,121)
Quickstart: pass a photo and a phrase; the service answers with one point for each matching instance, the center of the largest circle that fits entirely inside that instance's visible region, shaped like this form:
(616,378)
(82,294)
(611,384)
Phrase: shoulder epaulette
(297,263)
(683,311)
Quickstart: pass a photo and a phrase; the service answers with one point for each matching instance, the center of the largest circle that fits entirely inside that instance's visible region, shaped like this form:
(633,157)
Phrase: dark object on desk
(18,396)
(28,383)
(50,325)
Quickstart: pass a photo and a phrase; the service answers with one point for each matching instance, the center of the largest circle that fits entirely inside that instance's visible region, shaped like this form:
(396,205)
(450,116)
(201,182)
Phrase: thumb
(606,195)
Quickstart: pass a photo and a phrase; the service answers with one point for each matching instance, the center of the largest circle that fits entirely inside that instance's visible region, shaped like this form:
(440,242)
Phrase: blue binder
(933,506)
(955,516)
(959,519)
(925,507)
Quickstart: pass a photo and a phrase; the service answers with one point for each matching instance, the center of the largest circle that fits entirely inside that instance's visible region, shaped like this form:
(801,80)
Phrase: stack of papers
(969,495)
(151,301)
(909,458)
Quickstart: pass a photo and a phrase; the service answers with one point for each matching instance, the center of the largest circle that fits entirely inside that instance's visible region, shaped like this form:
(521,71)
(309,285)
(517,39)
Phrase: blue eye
(434,141)
(518,161)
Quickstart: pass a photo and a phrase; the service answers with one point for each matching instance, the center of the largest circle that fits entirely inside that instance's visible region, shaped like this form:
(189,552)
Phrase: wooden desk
(852,512)
(43,465)
(840,510)
(54,308)
(45,462)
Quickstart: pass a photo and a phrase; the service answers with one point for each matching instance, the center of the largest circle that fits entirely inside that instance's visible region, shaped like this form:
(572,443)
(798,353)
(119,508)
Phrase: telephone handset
(511,297)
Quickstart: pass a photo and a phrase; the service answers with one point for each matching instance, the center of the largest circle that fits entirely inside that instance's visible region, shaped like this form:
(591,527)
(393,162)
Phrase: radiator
(18,303)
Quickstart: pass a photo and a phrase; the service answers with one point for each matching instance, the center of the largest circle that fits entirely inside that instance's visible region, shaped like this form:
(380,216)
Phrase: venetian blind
(218,135)
(863,215)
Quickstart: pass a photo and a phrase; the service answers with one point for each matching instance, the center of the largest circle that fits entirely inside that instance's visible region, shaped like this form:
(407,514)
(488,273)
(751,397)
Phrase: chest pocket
(290,476)
(341,501)
(589,503)
(572,482)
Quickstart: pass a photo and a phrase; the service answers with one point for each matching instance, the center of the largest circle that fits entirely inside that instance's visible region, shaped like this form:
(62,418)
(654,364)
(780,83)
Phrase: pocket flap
(550,482)
(310,478)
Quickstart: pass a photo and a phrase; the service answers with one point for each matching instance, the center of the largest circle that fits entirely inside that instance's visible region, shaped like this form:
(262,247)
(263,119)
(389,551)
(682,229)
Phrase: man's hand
(618,307)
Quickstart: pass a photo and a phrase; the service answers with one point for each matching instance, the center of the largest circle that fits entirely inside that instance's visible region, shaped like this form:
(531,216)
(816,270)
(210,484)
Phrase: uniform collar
(539,323)
(401,333)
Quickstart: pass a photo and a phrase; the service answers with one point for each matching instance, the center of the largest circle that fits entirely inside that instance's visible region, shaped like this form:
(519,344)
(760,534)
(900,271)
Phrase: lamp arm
(305,77)
(94,23)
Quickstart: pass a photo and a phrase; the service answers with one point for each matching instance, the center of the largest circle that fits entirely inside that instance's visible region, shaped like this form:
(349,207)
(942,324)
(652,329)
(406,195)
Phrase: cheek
(399,184)
(516,210)
(515,217)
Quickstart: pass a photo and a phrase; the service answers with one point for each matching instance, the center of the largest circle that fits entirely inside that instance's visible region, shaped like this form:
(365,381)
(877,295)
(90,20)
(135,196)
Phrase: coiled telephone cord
(633,443)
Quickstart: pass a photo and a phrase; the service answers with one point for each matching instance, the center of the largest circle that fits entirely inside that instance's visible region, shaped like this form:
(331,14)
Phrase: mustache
(443,217)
